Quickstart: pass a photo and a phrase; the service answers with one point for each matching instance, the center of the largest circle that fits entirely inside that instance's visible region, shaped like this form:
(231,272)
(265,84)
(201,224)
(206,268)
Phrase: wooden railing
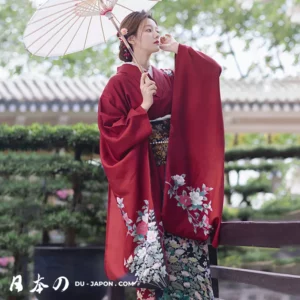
(252,234)
(258,234)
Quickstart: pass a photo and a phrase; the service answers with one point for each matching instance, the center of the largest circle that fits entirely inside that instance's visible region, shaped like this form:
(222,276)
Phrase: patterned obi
(159,140)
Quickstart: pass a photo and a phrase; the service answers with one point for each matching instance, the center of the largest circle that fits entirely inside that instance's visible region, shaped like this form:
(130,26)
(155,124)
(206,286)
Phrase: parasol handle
(110,17)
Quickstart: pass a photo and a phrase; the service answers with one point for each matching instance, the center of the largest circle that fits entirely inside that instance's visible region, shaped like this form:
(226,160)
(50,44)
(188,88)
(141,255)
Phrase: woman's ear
(131,40)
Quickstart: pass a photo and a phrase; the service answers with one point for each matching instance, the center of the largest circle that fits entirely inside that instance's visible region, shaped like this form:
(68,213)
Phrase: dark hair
(131,23)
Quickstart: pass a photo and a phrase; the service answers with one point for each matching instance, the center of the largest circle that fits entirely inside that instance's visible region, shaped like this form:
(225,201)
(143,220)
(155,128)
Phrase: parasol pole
(111,18)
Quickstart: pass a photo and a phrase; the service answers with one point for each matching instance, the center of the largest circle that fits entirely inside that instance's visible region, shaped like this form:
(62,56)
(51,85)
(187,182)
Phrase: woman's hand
(148,89)
(168,43)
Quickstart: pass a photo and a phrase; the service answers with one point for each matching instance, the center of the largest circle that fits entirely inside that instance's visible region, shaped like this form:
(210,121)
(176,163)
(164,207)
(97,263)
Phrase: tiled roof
(82,94)
(275,95)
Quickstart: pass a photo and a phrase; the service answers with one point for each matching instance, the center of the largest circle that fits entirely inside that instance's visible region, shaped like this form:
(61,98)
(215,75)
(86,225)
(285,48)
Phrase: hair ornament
(122,35)
(124,31)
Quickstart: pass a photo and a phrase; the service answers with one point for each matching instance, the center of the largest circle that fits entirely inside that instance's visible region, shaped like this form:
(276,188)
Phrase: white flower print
(153,248)
(149,260)
(179,252)
(185,273)
(174,244)
(187,284)
(147,263)
(146,272)
(120,202)
(184,246)
(156,278)
(130,259)
(196,198)
(151,236)
(145,218)
(192,259)
(156,266)
(172,278)
(141,253)
(173,259)
(179,179)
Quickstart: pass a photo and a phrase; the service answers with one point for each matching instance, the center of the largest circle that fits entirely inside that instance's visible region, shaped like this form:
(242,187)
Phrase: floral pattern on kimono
(147,262)
(188,267)
(193,201)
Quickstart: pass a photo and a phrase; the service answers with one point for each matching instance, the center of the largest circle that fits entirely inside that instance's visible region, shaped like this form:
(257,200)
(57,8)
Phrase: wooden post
(213,258)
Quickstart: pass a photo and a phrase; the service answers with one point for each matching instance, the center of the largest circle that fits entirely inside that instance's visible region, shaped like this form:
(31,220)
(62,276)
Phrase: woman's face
(147,39)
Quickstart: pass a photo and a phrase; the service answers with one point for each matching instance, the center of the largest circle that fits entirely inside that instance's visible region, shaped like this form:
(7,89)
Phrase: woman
(165,174)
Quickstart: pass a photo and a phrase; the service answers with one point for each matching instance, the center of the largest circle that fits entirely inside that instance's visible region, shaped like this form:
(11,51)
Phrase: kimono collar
(150,70)
(133,70)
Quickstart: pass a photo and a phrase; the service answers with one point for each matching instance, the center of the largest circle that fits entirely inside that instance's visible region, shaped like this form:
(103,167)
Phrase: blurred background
(51,178)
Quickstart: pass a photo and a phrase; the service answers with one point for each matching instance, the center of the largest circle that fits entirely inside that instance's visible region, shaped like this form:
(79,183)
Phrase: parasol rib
(62,3)
(103,33)
(87,33)
(75,35)
(60,11)
(62,36)
(53,34)
(99,9)
(87,7)
(63,15)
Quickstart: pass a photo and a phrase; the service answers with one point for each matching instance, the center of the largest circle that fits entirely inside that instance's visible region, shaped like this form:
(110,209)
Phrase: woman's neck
(143,60)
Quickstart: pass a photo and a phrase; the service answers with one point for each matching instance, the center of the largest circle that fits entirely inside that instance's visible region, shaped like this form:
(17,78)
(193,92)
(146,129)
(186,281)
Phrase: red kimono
(141,206)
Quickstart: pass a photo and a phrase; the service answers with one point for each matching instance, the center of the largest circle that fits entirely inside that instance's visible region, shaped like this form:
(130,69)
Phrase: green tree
(266,22)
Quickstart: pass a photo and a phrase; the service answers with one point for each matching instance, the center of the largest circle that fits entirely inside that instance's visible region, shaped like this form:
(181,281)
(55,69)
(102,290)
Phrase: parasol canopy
(61,27)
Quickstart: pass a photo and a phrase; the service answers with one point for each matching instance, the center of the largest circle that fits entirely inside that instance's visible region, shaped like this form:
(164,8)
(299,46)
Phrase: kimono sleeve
(197,123)
(124,151)
(121,126)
